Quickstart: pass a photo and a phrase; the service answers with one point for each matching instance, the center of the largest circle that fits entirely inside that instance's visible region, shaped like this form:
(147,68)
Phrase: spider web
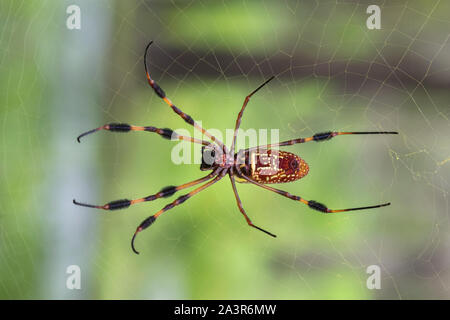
(332,73)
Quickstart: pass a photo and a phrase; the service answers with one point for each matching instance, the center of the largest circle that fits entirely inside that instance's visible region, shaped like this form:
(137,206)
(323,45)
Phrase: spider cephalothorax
(259,166)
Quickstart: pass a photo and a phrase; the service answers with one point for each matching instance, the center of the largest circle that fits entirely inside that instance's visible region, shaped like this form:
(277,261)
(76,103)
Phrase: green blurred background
(332,73)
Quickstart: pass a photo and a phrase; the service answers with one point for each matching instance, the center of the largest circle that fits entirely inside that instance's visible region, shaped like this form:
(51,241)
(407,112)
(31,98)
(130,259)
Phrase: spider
(259,166)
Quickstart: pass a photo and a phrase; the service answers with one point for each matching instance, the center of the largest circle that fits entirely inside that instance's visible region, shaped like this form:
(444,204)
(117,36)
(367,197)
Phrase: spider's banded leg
(323,136)
(311,203)
(149,221)
(239,118)
(166,133)
(187,118)
(165,192)
(241,208)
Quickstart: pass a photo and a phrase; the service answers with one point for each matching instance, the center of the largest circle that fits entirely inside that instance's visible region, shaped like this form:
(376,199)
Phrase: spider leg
(149,221)
(163,193)
(187,118)
(241,208)
(320,137)
(124,127)
(239,118)
(311,203)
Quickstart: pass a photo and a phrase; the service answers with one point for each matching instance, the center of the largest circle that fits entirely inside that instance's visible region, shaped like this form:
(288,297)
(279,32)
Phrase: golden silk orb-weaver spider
(259,166)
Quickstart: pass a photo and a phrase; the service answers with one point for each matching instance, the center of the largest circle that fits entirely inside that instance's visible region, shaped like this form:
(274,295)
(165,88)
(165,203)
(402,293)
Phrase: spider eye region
(210,158)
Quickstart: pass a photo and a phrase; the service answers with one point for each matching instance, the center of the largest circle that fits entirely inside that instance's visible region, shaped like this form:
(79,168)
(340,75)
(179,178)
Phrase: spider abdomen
(273,166)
